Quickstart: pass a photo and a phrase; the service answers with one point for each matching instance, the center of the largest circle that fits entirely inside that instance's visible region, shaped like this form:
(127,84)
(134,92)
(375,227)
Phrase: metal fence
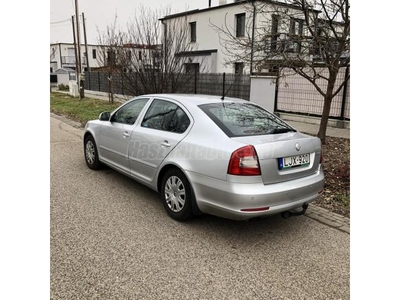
(297,95)
(232,85)
(294,93)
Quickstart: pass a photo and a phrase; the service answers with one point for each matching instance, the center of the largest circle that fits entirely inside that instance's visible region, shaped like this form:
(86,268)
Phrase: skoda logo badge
(298,147)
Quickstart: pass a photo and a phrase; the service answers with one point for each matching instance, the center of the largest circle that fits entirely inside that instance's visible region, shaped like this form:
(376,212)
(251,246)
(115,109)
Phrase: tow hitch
(288,214)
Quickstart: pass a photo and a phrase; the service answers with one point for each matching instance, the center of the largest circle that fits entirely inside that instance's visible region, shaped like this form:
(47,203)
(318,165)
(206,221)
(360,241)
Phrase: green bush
(63,87)
(344,199)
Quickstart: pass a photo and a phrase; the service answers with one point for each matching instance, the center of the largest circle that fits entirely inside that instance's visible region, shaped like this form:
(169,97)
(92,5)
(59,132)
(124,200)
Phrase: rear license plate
(294,161)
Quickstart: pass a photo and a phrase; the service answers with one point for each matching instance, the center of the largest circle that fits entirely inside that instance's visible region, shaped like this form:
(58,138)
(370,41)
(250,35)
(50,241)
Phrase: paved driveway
(111,239)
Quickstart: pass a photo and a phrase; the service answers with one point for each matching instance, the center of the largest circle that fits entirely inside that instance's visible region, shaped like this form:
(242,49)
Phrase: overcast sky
(101,13)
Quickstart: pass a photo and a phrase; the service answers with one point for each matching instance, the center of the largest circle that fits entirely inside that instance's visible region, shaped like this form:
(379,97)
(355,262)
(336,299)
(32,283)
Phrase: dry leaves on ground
(336,164)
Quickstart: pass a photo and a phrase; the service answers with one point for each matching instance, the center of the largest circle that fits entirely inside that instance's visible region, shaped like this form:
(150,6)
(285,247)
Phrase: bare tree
(310,38)
(146,54)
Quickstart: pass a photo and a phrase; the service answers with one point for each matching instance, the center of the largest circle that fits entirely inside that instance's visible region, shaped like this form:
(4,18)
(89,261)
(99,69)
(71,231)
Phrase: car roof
(195,99)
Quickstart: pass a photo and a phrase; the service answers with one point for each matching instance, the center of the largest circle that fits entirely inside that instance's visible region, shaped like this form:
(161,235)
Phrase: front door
(115,134)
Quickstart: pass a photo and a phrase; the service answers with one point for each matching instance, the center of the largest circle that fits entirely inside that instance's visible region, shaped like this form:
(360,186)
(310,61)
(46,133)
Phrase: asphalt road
(112,239)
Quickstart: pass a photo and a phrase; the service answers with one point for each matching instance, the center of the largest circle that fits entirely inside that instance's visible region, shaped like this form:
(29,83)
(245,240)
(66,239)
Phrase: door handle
(165,144)
(125,134)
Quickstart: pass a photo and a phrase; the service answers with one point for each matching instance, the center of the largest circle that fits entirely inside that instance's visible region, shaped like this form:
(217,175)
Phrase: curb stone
(314,212)
(329,218)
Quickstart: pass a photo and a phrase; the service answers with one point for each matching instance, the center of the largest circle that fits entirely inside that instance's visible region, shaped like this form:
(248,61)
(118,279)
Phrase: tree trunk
(324,119)
(327,107)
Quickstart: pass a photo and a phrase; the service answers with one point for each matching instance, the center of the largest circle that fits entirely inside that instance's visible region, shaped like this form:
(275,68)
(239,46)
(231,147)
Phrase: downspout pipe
(165,43)
(252,38)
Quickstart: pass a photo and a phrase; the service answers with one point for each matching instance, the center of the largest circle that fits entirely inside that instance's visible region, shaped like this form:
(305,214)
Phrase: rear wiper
(282,130)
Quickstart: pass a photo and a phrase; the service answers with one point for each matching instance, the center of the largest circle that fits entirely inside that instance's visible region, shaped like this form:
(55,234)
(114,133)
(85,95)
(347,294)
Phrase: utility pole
(86,49)
(80,85)
(76,56)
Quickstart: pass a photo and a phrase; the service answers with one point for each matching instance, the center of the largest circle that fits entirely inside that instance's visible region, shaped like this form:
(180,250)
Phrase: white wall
(208,38)
(63,79)
(262,91)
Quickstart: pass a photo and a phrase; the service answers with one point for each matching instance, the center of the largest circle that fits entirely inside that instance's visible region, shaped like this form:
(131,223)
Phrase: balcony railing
(70,60)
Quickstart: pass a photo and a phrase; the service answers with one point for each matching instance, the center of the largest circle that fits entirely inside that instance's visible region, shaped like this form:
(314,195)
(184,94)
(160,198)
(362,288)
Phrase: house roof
(143,46)
(196,53)
(64,71)
(72,44)
(195,11)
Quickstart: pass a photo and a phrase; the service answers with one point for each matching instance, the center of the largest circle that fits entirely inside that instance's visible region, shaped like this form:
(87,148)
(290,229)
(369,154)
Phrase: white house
(215,49)
(62,55)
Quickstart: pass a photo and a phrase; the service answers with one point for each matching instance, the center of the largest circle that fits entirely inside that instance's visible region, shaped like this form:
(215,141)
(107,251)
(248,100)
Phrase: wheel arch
(87,133)
(169,166)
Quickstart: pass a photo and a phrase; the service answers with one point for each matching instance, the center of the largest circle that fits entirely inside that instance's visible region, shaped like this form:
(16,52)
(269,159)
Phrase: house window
(111,61)
(239,67)
(94,53)
(192,32)
(274,32)
(240,23)
(129,55)
(140,55)
(192,68)
(295,32)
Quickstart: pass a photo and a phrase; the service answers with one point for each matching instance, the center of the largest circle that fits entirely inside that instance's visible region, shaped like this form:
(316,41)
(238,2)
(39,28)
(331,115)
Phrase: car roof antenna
(223,84)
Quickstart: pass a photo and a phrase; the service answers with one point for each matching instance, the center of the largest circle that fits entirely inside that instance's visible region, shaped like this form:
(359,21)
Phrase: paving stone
(345,228)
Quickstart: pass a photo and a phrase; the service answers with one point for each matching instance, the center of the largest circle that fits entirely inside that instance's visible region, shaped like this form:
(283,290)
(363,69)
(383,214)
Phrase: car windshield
(244,119)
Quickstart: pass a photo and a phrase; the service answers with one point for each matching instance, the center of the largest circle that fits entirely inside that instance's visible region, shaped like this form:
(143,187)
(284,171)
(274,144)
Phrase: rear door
(163,126)
(115,134)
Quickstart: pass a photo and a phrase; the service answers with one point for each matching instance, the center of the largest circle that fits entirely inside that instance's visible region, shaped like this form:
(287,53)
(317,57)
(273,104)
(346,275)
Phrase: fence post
(276,93)
(223,84)
(98,78)
(172,83)
(195,82)
(344,93)
(122,84)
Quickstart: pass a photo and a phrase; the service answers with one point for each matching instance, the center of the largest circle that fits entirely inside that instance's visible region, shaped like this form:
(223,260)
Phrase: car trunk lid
(296,147)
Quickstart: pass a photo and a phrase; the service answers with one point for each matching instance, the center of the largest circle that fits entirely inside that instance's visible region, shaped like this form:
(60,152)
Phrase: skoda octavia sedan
(203,154)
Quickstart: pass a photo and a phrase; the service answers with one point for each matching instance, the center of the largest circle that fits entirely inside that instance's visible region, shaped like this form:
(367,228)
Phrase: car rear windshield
(244,119)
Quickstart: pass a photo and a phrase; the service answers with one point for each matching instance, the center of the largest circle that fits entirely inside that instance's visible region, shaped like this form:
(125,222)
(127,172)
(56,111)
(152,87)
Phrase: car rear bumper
(228,200)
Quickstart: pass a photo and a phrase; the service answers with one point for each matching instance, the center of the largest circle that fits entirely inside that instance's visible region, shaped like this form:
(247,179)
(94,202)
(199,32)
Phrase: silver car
(203,154)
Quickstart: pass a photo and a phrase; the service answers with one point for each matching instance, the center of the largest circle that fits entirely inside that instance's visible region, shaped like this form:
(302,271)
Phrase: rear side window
(166,116)
(244,119)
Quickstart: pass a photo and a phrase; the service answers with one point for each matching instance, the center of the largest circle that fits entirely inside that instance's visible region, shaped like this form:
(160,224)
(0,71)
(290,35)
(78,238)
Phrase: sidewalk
(313,129)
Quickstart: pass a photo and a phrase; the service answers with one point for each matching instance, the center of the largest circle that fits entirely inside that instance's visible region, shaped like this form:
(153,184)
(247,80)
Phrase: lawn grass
(79,110)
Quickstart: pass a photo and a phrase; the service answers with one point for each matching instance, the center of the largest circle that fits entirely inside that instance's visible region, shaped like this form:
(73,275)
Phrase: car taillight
(244,162)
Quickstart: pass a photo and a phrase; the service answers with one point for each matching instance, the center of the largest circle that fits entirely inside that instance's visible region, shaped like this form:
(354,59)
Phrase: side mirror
(104,116)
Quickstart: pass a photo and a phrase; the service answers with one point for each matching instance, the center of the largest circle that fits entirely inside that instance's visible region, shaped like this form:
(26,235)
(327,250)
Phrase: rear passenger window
(166,116)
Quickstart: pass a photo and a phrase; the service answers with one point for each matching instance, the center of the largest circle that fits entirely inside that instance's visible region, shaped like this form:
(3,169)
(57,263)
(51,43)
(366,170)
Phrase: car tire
(91,154)
(176,195)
